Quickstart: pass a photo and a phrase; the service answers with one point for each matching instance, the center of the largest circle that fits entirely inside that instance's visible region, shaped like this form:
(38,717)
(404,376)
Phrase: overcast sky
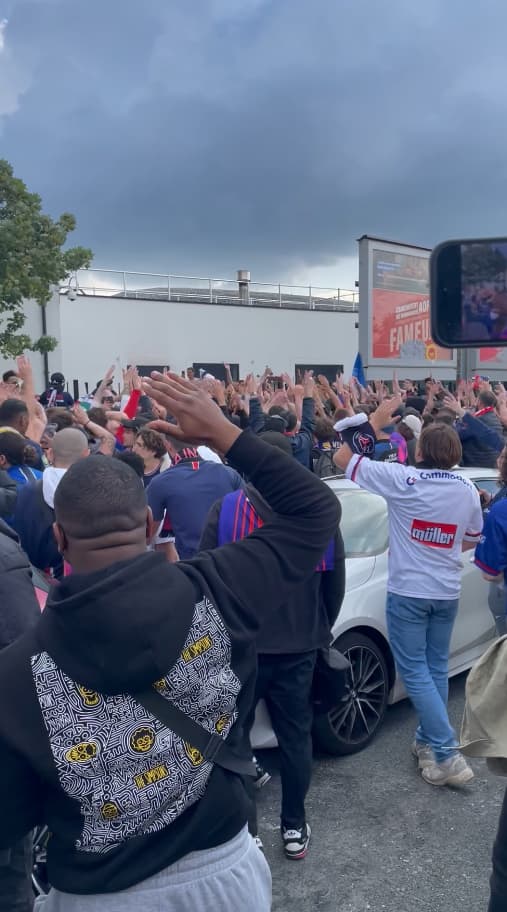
(205,135)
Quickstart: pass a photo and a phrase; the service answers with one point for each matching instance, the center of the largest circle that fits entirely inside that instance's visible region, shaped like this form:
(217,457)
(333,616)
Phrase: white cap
(414,423)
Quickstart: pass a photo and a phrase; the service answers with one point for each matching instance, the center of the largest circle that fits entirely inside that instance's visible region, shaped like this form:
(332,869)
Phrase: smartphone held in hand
(469,293)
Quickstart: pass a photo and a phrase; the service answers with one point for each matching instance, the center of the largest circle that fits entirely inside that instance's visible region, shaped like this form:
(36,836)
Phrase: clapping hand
(199,419)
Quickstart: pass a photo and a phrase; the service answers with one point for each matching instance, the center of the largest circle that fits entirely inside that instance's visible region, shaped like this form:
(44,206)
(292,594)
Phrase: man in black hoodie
(128,801)
(19,612)
(287,646)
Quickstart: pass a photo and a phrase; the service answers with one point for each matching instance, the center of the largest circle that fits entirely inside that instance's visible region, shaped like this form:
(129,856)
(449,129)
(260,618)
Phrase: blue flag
(358,370)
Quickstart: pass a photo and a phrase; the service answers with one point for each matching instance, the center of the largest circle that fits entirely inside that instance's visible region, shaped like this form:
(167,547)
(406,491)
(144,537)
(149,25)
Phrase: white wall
(33,328)
(95,332)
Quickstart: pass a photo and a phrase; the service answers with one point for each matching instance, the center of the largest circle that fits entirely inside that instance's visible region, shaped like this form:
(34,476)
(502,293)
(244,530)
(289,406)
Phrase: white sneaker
(295,842)
(423,754)
(454,771)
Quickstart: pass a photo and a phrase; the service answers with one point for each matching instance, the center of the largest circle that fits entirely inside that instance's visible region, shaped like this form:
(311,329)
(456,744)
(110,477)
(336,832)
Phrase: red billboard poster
(401,309)
(493,358)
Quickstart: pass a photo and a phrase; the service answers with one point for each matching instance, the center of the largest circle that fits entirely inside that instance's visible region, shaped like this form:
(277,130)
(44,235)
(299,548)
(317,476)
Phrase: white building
(164,320)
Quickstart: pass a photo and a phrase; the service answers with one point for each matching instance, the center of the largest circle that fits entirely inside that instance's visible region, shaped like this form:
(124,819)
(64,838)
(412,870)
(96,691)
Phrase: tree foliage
(31,260)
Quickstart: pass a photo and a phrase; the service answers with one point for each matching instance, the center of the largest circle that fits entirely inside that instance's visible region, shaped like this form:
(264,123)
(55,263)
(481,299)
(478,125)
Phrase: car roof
(344,484)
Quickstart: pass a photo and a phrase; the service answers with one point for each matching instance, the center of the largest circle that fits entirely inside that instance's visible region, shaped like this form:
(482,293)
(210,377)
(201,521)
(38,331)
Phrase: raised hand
(308,385)
(24,368)
(199,419)
(137,381)
(218,391)
(80,414)
(452,403)
(250,385)
(383,414)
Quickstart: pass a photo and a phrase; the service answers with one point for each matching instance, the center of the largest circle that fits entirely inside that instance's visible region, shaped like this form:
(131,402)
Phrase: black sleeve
(209,538)
(261,570)
(333,583)
(20,792)
(19,610)
(8,494)
(243,419)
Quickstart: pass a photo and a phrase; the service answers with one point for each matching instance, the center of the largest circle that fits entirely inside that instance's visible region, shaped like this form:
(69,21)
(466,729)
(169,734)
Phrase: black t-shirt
(149,476)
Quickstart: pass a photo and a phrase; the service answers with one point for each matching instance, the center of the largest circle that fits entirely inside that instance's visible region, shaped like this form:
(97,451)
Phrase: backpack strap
(212,747)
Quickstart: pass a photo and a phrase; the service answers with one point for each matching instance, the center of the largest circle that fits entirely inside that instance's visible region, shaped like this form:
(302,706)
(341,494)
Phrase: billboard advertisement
(493,358)
(394,308)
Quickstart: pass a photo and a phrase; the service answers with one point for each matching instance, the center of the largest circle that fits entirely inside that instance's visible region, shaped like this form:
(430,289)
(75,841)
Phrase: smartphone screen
(469,293)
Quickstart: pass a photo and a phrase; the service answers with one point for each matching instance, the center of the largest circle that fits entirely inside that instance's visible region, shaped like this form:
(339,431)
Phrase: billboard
(394,308)
(492,359)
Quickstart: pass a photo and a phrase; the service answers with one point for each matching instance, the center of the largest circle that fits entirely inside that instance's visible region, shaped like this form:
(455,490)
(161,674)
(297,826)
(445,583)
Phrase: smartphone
(469,293)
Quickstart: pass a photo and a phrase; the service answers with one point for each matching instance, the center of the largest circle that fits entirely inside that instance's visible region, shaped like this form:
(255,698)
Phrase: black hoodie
(123,795)
(18,605)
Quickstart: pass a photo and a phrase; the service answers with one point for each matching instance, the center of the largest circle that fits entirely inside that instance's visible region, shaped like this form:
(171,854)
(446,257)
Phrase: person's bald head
(68,446)
(101,514)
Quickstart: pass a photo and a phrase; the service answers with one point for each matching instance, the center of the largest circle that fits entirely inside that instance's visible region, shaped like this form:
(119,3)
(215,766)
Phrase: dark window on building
(329,370)
(218,370)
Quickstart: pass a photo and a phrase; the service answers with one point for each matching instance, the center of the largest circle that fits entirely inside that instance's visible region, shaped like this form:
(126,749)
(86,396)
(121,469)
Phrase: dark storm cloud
(271,133)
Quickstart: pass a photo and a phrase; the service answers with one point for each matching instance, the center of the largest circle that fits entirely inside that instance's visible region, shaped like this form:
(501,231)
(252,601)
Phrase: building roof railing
(149,286)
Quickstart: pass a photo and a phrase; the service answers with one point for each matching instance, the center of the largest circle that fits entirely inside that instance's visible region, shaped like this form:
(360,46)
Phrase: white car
(360,630)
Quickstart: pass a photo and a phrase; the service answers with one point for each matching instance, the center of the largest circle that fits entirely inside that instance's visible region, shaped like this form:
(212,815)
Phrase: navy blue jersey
(185,494)
(491,552)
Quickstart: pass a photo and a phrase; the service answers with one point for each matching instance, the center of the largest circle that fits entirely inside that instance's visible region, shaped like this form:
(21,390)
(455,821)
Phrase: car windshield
(364,523)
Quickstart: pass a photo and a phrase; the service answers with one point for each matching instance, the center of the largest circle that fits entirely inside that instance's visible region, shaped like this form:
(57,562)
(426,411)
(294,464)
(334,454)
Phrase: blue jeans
(420,636)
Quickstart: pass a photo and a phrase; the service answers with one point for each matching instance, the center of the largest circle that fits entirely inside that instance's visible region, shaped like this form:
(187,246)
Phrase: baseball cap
(134,424)
(414,423)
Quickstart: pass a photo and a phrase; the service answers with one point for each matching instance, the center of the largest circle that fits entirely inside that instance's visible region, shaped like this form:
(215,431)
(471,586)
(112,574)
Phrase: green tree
(31,260)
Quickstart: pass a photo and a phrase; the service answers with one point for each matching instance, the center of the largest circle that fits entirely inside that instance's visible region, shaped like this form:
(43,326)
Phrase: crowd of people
(195,566)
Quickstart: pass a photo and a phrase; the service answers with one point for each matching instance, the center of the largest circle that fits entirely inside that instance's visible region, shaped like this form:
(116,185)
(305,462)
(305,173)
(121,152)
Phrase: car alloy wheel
(353,723)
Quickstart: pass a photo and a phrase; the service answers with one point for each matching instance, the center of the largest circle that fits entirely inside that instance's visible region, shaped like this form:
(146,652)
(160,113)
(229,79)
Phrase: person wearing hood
(140,817)
(34,511)
(19,612)
(287,647)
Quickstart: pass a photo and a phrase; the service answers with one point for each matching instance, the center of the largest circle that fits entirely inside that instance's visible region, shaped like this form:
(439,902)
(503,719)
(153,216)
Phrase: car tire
(40,883)
(354,722)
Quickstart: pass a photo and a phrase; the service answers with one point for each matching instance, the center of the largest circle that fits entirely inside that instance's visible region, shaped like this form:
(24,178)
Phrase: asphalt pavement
(382,839)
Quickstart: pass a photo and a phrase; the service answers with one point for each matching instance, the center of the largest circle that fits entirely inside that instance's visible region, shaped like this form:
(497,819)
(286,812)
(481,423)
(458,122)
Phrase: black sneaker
(262,778)
(295,842)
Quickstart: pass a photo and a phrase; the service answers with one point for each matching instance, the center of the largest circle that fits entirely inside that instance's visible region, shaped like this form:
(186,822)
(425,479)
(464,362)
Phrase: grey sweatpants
(231,877)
